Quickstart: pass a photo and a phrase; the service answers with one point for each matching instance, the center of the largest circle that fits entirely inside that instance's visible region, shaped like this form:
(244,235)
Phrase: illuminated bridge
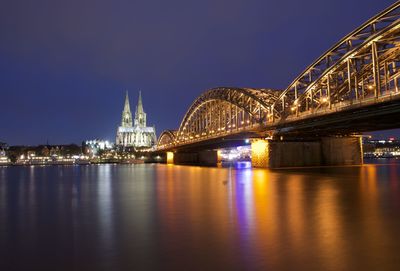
(351,88)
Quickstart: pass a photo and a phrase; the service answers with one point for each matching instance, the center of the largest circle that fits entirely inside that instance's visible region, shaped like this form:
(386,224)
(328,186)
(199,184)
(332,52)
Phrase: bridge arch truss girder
(221,109)
(167,139)
(363,65)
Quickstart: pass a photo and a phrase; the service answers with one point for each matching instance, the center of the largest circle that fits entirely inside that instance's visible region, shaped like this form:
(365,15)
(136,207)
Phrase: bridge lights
(247,121)
(170,158)
(324,100)
(370,87)
(293,108)
(242,122)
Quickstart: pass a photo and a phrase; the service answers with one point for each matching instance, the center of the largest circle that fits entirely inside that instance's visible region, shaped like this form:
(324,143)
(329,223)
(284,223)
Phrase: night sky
(65,65)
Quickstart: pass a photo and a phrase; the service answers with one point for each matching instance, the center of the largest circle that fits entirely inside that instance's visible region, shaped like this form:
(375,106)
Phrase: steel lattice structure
(220,111)
(167,138)
(361,69)
(362,65)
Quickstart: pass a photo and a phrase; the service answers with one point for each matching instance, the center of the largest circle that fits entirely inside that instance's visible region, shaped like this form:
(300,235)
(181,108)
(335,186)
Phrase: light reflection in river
(176,217)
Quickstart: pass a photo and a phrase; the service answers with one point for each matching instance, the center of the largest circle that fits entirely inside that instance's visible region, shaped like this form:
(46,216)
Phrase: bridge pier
(201,158)
(342,150)
(170,158)
(294,154)
(325,151)
(260,149)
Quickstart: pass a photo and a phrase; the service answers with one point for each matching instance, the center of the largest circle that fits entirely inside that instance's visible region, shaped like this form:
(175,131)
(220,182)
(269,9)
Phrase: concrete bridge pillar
(294,154)
(342,150)
(170,158)
(325,151)
(276,154)
(260,153)
(202,158)
(208,158)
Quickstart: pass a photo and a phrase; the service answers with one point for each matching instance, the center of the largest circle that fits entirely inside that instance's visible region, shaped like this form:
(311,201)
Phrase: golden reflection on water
(373,225)
(195,218)
(272,216)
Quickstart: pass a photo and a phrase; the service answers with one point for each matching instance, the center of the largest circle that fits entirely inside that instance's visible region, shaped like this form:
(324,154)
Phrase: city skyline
(73,73)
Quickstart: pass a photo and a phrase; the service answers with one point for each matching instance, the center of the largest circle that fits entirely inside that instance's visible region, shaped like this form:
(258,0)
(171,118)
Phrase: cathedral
(135,133)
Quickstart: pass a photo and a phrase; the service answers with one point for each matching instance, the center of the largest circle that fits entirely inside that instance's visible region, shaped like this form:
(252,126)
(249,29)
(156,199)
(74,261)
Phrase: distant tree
(45,151)
(13,157)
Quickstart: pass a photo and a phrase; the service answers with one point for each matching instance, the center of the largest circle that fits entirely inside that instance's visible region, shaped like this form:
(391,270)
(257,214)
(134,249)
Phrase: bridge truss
(361,69)
(363,65)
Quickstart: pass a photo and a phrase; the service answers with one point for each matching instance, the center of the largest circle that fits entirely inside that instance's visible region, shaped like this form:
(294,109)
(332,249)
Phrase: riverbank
(73,162)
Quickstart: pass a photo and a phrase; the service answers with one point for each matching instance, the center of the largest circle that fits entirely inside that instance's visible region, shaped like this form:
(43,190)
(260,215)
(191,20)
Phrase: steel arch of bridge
(224,110)
(363,65)
(220,111)
(361,69)
(167,138)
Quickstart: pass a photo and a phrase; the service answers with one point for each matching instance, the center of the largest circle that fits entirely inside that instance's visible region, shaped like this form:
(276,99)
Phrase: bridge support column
(277,154)
(260,153)
(170,158)
(294,154)
(208,158)
(184,158)
(201,158)
(342,150)
(326,151)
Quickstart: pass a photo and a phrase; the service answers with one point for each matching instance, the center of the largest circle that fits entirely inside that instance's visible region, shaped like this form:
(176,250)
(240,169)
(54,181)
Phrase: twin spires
(140,115)
(139,107)
(133,132)
(127,108)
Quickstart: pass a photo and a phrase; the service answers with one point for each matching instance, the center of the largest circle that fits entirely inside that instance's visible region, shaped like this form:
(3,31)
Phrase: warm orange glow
(219,156)
(259,153)
(259,146)
(170,158)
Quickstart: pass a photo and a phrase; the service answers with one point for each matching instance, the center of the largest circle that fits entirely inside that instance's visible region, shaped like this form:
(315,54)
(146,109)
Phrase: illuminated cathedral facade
(135,133)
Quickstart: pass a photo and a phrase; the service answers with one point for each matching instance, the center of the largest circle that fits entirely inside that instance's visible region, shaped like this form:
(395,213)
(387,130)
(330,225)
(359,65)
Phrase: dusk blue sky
(65,65)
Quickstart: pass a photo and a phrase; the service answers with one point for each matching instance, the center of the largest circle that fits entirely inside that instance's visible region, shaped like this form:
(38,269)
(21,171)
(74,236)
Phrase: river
(163,217)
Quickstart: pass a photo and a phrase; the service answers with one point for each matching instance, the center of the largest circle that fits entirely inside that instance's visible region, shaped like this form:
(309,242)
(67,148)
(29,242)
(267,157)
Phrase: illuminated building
(138,134)
(93,146)
(3,158)
(382,148)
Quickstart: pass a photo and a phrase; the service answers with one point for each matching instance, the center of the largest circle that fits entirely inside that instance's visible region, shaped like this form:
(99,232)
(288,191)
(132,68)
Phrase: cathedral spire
(140,104)
(126,106)
(126,114)
(140,116)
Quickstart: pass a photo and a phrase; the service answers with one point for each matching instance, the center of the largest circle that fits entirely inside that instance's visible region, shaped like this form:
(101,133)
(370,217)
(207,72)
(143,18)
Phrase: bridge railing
(222,133)
(346,105)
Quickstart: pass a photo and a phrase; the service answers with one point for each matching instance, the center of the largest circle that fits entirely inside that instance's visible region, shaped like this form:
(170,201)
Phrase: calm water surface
(146,217)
